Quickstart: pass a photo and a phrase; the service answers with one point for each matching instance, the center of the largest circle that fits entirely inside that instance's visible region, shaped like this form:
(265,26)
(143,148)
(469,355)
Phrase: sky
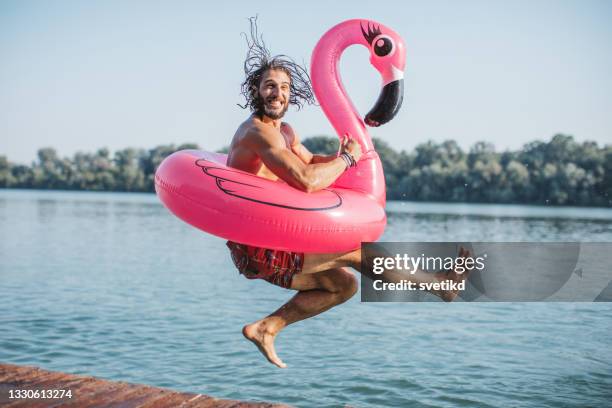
(81,75)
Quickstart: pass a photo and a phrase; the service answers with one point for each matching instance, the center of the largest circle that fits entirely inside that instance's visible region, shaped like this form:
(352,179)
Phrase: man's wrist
(348,159)
(350,155)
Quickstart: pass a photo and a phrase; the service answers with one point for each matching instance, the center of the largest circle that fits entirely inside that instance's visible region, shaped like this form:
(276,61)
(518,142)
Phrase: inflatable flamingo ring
(200,189)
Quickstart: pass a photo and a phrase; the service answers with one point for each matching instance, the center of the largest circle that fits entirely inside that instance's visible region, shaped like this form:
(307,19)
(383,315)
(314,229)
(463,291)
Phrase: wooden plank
(84,394)
(173,399)
(95,392)
(13,372)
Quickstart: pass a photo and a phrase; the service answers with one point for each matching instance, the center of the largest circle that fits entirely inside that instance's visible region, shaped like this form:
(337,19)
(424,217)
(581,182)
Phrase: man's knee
(347,285)
(352,287)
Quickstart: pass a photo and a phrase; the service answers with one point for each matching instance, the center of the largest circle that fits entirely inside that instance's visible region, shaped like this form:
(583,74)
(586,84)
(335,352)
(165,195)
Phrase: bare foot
(453,276)
(264,340)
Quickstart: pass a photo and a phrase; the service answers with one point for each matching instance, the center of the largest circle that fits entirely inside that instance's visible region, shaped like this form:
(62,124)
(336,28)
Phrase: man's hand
(350,146)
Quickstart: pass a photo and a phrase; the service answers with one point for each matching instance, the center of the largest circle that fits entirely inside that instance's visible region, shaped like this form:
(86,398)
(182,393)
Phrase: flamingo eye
(382,46)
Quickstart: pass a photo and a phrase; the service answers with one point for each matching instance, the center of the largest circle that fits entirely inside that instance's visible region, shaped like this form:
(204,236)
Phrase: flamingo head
(388,56)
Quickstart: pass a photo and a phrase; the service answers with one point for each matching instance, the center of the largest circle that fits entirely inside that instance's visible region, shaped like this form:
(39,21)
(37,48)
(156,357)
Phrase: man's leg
(318,292)
(322,284)
(313,263)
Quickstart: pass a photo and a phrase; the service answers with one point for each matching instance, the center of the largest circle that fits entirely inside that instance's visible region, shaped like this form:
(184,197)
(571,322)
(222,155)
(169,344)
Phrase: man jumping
(267,147)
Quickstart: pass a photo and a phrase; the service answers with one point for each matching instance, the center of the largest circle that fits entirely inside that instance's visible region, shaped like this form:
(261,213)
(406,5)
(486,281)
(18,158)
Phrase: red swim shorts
(275,266)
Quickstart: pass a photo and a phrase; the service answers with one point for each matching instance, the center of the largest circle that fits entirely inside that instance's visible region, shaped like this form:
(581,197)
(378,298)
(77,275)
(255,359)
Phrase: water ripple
(114,286)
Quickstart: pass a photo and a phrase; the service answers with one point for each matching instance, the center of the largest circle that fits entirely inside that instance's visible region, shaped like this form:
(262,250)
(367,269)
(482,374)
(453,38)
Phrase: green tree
(322,144)
(6,176)
(129,174)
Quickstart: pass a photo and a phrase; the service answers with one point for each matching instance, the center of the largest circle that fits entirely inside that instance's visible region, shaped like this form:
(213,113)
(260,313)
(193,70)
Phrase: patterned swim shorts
(275,266)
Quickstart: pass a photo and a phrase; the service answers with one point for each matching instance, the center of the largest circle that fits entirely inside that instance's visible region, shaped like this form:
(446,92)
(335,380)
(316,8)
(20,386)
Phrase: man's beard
(274,114)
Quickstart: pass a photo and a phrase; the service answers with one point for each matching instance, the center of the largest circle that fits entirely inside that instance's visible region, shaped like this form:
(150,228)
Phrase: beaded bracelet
(348,159)
(353,161)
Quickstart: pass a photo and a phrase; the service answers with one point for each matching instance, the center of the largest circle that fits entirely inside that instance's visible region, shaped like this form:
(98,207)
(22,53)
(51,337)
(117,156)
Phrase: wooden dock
(89,391)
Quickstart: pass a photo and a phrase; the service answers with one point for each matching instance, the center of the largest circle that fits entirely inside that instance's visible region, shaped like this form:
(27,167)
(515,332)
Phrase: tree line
(558,172)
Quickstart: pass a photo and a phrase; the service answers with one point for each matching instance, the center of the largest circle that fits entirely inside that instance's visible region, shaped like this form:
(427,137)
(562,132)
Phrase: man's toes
(279,363)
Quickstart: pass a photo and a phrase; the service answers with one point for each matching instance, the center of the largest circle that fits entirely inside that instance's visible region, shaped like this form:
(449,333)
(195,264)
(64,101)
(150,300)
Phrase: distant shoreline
(561,172)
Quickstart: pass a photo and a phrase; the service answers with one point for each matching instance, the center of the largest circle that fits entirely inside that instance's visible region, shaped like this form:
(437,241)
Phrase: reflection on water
(112,285)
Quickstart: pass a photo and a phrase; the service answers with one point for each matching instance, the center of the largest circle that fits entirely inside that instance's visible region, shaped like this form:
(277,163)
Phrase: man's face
(274,91)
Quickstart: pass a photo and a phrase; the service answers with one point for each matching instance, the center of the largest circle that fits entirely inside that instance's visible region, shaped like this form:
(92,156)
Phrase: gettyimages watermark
(486,271)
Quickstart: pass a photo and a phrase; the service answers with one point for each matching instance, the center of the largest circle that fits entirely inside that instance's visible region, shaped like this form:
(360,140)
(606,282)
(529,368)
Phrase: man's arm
(302,152)
(270,146)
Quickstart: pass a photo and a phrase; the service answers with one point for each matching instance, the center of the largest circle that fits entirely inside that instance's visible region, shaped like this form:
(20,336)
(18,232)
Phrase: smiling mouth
(274,104)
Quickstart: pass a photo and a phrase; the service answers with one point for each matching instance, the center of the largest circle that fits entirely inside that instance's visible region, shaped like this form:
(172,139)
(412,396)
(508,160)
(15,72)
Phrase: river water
(112,285)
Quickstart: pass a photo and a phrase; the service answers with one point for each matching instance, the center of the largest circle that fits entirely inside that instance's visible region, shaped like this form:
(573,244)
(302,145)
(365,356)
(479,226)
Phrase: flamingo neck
(328,86)
(368,176)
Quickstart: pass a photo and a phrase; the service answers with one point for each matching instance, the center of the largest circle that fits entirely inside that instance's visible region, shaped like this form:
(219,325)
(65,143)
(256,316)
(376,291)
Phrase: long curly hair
(258,61)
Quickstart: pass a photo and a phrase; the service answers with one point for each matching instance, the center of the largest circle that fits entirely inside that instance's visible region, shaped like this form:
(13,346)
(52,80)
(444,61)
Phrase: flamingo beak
(388,104)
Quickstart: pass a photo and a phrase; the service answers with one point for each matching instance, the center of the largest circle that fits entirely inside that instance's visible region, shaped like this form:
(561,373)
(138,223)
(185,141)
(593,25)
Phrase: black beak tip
(388,104)
(370,122)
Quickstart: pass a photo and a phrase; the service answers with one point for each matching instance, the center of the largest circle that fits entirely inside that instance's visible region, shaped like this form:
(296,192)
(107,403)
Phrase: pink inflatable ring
(200,189)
